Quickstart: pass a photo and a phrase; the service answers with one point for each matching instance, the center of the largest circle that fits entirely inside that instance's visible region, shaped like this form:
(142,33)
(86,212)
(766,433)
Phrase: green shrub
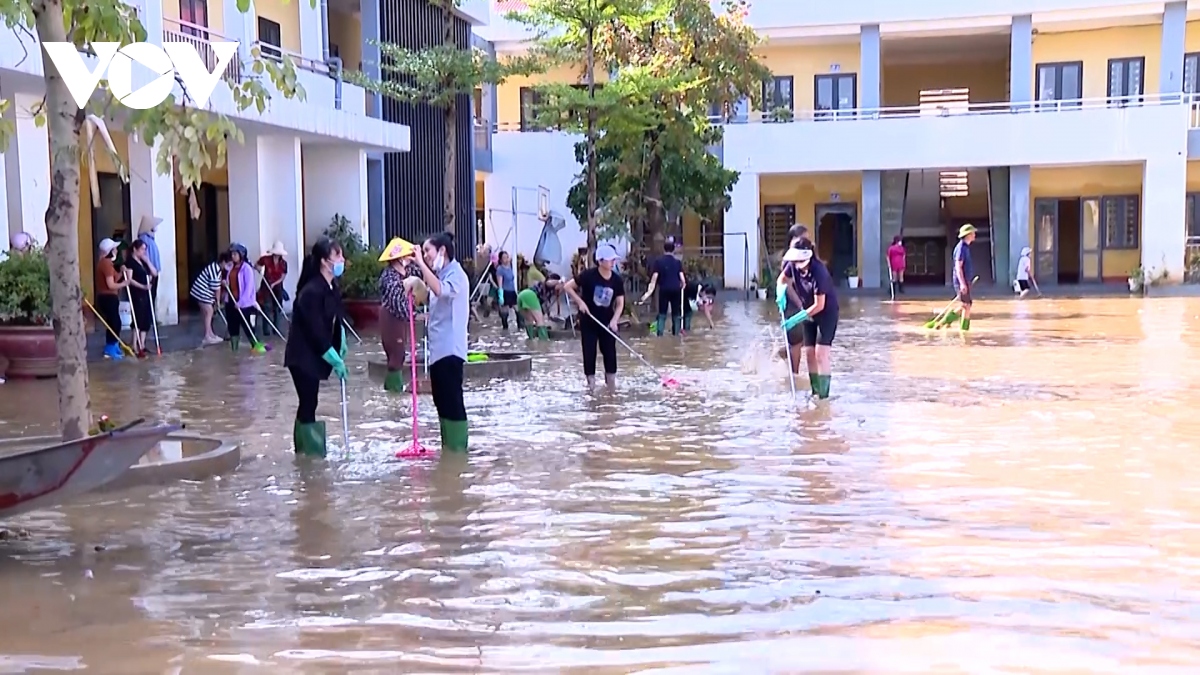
(360,281)
(25,289)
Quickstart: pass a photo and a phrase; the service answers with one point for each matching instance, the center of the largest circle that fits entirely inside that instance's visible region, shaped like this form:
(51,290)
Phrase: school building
(1063,125)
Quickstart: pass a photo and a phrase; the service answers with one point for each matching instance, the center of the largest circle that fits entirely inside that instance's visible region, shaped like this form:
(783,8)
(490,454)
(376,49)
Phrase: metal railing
(201,38)
(788,116)
(483,134)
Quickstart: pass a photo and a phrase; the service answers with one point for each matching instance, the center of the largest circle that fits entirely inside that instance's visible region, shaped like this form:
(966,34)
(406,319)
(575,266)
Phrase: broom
(942,318)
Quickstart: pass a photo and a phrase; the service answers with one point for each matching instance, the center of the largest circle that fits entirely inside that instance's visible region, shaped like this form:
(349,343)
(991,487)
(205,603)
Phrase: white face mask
(439,262)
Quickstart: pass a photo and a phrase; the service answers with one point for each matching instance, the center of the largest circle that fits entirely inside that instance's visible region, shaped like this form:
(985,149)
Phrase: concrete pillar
(873,265)
(335,182)
(377,233)
(27,170)
(152,194)
(312,42)
(870,70)
(1020,68)
(240,27)
(1018,211)
(266,198)
(741,234)
(369,19)
(1164,185)
(1174,31)
(4,231)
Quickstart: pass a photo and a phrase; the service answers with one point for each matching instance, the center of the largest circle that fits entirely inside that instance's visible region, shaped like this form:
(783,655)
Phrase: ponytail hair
(321,250)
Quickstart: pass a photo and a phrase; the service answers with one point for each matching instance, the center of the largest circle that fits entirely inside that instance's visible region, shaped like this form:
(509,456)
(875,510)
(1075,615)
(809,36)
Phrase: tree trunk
(591,143)
(655,215)
(450,171)
(64,121)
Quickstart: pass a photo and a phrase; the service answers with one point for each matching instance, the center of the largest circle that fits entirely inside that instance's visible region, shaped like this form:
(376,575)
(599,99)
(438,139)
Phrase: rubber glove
(334,359)
(781,296)
(345,347)
(795,320)
(501,295)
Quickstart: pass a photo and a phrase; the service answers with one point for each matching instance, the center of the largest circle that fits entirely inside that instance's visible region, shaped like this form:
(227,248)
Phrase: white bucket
(126,315)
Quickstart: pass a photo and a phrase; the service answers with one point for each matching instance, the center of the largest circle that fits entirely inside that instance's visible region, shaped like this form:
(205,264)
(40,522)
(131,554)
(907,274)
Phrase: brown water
(1026,500)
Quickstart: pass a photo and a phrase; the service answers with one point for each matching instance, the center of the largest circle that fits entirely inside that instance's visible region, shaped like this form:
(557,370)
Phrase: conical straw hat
(396,249)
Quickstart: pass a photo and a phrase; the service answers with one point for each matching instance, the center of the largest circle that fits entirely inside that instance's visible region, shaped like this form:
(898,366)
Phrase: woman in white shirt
(1025,278)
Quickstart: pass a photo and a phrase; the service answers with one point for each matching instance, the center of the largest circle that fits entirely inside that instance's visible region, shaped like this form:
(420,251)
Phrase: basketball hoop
(543,203)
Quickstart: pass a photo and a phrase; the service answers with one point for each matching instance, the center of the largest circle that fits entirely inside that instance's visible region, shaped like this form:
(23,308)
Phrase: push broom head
(259,348)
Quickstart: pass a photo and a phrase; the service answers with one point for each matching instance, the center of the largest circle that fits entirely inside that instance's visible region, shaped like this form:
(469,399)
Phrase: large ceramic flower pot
(364,314)
(29,350)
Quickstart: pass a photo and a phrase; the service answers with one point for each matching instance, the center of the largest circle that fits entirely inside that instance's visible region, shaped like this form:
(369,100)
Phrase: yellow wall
(216,17)
(1191,41)
(1095,47)
(508,95)
(287,15)
(345,31)
(1091,181)
(803,63)
(808,190)
(903,84)
(1193,176)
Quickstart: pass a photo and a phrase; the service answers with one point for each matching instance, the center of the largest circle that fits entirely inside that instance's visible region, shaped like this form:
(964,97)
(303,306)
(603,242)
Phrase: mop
(256,346)
(414,449)
(345,419)
(667,381)
(124,347)
(154,322)
(133,317)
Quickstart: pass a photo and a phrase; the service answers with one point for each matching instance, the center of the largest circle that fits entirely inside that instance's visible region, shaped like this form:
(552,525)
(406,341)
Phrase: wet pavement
(1024,500)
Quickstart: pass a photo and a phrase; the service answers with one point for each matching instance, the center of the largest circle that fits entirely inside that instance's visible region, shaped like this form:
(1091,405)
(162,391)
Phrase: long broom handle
(106,326)
(486,268)
(154,318)
(272,292)
(245,321)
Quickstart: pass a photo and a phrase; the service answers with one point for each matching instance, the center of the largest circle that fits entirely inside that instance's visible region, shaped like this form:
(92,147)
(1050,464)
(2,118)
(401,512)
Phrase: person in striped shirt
(206,289)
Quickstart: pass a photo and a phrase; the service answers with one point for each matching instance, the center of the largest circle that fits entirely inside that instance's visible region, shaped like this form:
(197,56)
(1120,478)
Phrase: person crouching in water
(316,345)
(399,278)
(241,303)
(697,297)
(530,302)
(446,326)
(809,294)
(599,293)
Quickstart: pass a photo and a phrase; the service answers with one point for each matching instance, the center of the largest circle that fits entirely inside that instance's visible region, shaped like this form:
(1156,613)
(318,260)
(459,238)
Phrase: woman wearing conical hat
(400,277)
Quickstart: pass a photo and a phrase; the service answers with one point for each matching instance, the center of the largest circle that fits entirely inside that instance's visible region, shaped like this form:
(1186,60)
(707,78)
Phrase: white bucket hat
(800,256)
(107,245)
(277,249)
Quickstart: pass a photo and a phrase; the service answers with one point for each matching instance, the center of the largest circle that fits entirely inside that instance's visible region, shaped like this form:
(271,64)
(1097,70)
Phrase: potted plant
(781,114)
(26,332)
(1137,280)
(852,276)
(360,288)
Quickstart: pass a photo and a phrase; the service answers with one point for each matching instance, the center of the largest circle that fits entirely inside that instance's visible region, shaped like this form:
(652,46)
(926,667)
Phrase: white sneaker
(212,340)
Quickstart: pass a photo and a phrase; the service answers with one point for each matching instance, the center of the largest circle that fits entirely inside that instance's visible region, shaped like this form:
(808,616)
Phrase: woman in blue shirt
(805,288)
(506,284)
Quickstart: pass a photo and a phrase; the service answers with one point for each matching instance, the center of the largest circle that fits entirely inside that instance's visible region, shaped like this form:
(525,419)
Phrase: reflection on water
(1023,499)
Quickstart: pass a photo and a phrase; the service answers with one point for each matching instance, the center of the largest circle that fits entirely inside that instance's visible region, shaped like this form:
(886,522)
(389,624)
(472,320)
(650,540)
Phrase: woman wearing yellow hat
(400,277)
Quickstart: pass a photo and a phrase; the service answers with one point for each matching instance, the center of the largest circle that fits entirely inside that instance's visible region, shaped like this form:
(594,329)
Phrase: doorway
(1067,247)
(1069,263)
(203,232)
(837,240)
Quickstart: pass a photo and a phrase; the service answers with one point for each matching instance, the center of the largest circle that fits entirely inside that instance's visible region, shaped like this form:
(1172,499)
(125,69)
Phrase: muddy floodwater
(1025,500)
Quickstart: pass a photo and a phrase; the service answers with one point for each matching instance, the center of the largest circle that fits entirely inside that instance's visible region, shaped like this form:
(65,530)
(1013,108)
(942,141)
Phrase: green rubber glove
(334,359)
(781,296)
(795,320)
(501,295)
(344,348)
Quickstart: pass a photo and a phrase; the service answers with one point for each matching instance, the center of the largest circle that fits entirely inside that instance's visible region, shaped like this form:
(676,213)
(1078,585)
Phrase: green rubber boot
(235,342)
(965,325)
(543,332)
(310,439)
(454,435)
(951,318)
(394,382)
(530,331)
(822,385)
(660,324)
(676,324)
(814,381)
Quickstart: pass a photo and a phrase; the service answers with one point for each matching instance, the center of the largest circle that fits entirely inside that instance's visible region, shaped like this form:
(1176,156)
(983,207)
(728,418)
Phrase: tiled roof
(506,6)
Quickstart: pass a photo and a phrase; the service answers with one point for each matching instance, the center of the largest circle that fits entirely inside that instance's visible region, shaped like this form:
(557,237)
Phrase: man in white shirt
(1025,278)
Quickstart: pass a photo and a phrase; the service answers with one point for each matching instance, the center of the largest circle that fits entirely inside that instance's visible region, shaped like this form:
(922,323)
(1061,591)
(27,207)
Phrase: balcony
(482,147)
(201,39)
(1081,131)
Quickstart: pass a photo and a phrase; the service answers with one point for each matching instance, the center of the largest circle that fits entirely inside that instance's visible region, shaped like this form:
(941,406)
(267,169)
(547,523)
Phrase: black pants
(670,302)
(596,339)
(446,382)
(109,307)
(307,388)
(237,322)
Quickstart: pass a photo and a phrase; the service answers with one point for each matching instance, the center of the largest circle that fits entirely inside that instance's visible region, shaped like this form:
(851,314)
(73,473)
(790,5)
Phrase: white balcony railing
(787,116)
(200,37)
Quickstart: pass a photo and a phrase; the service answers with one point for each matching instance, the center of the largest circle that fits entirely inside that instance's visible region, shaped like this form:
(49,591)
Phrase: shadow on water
(1024,499)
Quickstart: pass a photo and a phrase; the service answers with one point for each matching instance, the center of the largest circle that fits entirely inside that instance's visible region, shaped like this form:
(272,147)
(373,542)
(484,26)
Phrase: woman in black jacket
(316,340)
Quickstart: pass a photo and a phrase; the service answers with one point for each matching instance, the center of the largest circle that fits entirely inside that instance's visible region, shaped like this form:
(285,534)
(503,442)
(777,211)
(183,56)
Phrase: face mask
(439,263)
(338,268)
